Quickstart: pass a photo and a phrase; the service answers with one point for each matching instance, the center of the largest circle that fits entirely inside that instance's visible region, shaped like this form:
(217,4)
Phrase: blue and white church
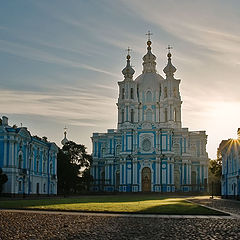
(149,151)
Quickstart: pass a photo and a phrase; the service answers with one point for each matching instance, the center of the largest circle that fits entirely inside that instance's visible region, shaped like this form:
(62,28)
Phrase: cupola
(128,71)
(169,70)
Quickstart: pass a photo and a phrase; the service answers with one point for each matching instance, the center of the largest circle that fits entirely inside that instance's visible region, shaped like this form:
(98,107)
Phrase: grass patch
(118,203)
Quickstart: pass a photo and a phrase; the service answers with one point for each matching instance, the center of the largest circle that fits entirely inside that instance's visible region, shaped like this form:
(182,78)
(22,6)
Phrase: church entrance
(146,179)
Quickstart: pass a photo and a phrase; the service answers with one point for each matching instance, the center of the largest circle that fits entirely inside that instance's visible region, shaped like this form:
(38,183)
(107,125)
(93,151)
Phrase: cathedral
(149,151)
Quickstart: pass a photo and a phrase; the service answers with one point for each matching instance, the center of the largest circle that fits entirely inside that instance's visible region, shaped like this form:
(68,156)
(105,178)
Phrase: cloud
(79,108)
(201,28)
(43,56)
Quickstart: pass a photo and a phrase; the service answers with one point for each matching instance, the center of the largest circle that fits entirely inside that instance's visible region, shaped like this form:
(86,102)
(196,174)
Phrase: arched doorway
(146,179)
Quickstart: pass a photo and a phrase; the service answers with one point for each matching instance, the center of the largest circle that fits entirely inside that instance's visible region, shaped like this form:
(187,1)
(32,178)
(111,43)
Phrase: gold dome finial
(128,51)
(169,51)
(149,35)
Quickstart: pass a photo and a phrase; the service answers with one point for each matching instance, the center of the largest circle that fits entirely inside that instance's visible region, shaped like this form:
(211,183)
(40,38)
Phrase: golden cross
(128,50)
(65,129)
(169,48)
(149,34)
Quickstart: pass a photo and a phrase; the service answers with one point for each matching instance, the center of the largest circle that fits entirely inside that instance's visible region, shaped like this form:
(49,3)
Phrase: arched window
(30,164)
(37,167)
(123,93)
(149,96)
(132,115)
(44,166)
(117,180)
(103,151)
(122,115)
(20,161)
(175,114)
(118,150)
(166,115)
(160,91)
(131,93)
(149,115)
(175,92)
(102,179)
(20,186)
(51,168)
(165,92)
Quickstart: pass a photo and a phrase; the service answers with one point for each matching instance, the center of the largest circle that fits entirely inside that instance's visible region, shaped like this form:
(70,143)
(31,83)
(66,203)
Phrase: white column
(11,152)
(157,172)
(168,173)
(134,170)
(5,152)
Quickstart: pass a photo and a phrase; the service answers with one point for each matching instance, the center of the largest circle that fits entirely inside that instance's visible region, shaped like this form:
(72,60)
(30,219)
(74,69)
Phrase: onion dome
(149,60)
(128,71)
(65,140)
(169,70)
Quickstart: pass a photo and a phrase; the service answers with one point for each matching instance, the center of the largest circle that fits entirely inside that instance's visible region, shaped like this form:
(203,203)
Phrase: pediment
(23,132)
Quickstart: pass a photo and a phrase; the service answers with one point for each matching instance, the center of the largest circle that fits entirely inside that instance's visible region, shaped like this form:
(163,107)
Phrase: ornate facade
(149,151)
(30,162)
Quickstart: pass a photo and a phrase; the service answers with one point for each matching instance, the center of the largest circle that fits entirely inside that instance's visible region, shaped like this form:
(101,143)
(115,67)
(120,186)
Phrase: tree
(3,179)
(71,159)
(215,173)
(215,167)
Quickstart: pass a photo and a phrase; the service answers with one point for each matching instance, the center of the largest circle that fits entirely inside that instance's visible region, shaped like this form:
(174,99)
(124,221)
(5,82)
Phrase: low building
(30,162)
(230,153)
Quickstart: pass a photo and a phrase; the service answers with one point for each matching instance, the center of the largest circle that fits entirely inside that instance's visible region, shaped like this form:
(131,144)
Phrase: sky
(60,62)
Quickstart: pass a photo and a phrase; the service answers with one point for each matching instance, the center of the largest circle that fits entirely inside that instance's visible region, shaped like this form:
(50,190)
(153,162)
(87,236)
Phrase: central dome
(149,80)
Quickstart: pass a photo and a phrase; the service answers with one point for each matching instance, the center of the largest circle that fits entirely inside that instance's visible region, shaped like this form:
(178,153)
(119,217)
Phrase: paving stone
(25,225)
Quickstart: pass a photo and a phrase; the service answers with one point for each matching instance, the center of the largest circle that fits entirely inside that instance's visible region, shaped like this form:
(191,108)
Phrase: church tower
(127,100)
(170,97)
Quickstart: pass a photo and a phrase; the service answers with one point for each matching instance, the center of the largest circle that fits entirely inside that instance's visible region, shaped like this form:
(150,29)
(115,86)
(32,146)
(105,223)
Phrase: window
(30,164)
(122,115)
(165,92)
(166,115)
(20,161)
(123,93)
(44,167)
(51,168)
(20,186)
(118,149)
(149,115)
(146,145)
(175,115)
(131,93)
(132,116)
(149,96)
(37,168)
(175,92)
(103,151)
(44,187)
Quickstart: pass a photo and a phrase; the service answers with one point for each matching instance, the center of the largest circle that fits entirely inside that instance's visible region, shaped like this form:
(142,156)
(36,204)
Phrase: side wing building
(230,153)
(30,162)
(149,151)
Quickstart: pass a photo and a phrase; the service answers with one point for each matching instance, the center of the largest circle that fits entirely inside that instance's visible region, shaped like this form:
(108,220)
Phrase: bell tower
(170,97)
(127,99)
